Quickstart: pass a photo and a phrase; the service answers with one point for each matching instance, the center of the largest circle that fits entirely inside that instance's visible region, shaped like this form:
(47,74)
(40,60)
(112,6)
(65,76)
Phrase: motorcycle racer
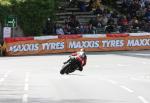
(81,57)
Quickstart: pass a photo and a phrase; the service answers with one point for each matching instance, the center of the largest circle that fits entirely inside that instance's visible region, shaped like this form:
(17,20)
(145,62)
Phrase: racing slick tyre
(65,68)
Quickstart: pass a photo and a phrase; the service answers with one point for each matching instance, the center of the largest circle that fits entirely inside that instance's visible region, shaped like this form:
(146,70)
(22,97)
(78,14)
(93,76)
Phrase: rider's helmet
(82,50)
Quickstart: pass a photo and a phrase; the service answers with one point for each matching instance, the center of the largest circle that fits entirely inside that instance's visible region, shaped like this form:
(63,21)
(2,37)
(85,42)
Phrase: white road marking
(113,82)
(120,65)
(97,66)
(140,79)
(144,63)
(27,74)
(6,74)
(9,72)
(143,99)
(147,77)
(2,79)
(27,77)
(25,98)
(134,78)
(129,90)
(26,80)
(26,87)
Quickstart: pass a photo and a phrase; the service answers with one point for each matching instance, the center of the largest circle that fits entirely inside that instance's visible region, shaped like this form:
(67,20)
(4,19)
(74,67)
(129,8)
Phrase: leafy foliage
(31,14)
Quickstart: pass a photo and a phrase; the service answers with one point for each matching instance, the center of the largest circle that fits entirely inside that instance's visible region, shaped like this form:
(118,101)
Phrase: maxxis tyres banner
(38,47)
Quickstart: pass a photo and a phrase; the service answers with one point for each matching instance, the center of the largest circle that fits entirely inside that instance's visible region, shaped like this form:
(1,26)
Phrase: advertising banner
(16,39)
(45,37)
(117,35)
(35,47)
(72,36)
(109,44)
(71,45)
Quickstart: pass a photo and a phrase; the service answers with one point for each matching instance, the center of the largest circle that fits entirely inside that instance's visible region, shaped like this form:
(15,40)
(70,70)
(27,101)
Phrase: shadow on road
(77,74)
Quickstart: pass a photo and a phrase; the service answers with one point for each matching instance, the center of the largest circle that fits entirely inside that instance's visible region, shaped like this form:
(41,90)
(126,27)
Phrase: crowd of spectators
(133,16)
(137,14)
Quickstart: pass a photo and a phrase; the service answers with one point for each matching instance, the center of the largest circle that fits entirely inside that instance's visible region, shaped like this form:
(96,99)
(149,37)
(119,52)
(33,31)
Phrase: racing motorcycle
(70,66)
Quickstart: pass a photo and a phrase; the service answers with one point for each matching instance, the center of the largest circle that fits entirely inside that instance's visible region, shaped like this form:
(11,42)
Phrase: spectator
(67,29)
(146,2)
(94,4)
(104,20)
(142,3)
(93,22)
(134,7)
(73,22)
(110,21)
(82,6)
(142,25)
(92,29)
(135,23)
(90,5)
(86,29)
(72,3)
(147,14)
(82,29)
(147,27)
(99,21)
(98,11)
(109,28)
(123,22)
(59,30)
(49,27)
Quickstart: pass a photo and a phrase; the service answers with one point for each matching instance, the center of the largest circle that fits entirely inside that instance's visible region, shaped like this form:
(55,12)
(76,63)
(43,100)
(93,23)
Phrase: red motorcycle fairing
(79,59)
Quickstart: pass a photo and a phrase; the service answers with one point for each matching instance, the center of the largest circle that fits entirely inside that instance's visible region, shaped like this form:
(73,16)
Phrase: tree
(31,14)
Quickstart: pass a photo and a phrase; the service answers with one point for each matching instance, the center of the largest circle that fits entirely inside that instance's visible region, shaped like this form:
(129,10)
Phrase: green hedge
(31,14)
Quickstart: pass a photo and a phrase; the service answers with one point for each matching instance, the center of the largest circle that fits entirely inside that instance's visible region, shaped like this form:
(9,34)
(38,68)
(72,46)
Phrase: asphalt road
(112,77)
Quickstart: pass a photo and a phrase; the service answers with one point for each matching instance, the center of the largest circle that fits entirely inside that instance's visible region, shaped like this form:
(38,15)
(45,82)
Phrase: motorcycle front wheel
(64,68)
